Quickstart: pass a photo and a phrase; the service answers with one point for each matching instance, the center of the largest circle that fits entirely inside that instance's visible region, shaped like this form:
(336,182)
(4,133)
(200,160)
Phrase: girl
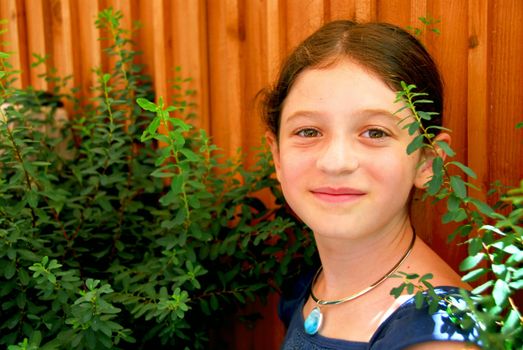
(340,156)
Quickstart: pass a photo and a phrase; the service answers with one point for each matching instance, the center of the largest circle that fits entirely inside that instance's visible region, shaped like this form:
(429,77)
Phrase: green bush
(115,235)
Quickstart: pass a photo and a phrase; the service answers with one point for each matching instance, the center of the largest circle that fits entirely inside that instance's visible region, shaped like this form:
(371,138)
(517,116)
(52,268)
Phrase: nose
(339,155)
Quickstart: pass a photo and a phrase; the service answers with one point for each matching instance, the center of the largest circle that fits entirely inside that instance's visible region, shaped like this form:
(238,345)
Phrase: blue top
(404,327)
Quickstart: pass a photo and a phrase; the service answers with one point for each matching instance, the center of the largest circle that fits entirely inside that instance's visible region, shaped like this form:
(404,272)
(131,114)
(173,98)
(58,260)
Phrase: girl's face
(341,157)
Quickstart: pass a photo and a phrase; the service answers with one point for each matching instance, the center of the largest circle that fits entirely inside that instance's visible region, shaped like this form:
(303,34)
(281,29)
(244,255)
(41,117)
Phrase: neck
(354,264)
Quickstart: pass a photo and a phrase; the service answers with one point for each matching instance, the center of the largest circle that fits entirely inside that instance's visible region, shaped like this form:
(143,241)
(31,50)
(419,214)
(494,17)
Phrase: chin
(340,231)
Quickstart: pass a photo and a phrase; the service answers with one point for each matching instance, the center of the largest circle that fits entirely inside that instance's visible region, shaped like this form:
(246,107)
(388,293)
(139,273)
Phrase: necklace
(314,320)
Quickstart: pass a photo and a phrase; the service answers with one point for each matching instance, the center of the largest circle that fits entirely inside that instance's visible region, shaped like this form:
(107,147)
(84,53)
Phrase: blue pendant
(313,322)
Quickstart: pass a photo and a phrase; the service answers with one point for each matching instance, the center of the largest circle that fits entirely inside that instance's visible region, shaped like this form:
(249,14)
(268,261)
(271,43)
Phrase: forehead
(341,86)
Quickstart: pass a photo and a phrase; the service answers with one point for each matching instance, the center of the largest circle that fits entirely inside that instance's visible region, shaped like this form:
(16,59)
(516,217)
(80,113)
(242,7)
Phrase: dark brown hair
(390,52)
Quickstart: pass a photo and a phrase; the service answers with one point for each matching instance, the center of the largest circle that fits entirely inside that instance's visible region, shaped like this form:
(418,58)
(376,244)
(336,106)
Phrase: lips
(337,194)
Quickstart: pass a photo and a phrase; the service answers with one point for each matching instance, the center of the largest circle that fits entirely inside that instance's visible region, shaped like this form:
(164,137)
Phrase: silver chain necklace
(314,320)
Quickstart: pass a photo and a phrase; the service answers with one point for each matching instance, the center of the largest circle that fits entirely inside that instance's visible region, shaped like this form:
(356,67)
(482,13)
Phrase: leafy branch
(494,240)
(429,24)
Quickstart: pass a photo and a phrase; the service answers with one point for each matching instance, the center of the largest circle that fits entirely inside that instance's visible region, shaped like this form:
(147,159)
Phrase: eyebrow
(378,111)
(304,114)
(370,112)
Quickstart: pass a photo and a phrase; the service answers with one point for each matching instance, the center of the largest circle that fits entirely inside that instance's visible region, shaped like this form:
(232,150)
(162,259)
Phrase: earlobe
(273,144)
(424,172)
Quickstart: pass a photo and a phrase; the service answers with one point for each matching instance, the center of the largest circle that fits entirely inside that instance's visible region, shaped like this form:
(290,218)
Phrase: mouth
(337,195)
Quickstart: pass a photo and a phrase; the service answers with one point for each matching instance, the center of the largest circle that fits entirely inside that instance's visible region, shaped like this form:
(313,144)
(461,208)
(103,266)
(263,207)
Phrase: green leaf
(465,169)
(480,289)
(492,228)
(413,127)
(424,115)
(396,292)
(153,126)
(177,183)
(446,148)
(512,322)
(419,298)
(471,261)
(190,155)
(214,302)
(475,246)
(500,270)
(516,284)
(411,276)
(24,277)
(40,163)
(161,173)
(484,208)
(51,278)
(456,216)
(453,202)
(436,181)
(416,144)
(433,306)
(474,275)
(146,104)
(32,198)
(501,292)
(9,270)
(425,277)
(458,186)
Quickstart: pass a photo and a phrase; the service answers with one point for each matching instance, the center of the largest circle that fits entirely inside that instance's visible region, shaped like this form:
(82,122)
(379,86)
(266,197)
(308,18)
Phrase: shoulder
(424,260)
(410,326)
(444,345)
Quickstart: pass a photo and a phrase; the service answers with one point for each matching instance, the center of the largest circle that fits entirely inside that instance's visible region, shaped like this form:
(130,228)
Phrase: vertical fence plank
(302,19)
(128,9)
(505,73)
(226,32)
(418,9)
(190,52)
(341,9)
(275,38)
(256,53)
(366,10)
(144,37)
(38,40)
(450,50)
(478,98)
(87,45)
(162,44)
(394,11)
(66,58)
(16,38)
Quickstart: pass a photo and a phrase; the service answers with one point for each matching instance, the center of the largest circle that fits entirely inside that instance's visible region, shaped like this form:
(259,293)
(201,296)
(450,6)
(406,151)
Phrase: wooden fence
(232,49)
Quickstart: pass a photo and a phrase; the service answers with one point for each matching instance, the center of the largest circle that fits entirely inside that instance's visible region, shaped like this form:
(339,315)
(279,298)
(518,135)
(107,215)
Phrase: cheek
(395,171)
(293,166)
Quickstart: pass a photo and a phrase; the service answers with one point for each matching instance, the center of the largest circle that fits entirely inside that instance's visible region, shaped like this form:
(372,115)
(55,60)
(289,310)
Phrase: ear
(272,140)
(424,172)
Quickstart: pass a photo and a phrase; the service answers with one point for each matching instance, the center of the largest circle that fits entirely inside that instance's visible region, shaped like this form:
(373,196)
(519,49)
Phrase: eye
(308,132)
(375,133)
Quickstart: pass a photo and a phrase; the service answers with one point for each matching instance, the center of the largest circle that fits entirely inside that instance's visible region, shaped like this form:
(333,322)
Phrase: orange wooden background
(232,49)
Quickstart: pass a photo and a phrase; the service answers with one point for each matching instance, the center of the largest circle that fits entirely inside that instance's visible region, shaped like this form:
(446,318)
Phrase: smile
(337,195)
